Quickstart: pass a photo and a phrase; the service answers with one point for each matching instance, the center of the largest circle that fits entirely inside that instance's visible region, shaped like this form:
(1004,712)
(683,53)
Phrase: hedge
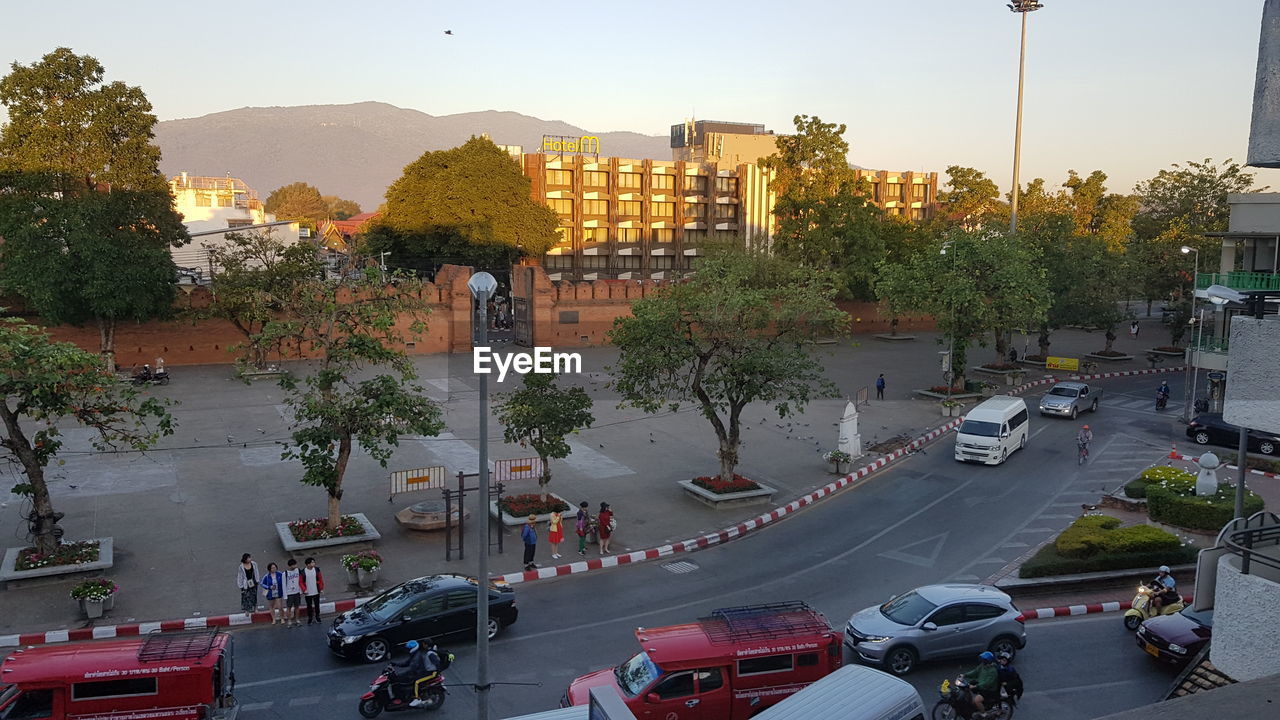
(1197,512)
(1085,536)
(1162,474)
(1229,458)
(1048,562)
(1099,534)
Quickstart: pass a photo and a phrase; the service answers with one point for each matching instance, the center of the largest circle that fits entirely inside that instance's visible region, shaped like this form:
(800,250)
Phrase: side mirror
(930,627)
(652,698)
(1004,435)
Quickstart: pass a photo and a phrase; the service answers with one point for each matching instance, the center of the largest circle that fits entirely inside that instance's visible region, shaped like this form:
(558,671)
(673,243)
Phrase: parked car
(1070,399)
(1209,428)
(1178,637)
(427,607)
(933,622)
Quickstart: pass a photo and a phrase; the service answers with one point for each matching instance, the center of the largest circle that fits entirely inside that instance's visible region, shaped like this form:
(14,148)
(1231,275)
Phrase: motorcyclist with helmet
(1162,395)
(1008,676)
(985,680)
(418,667)
(1167,590)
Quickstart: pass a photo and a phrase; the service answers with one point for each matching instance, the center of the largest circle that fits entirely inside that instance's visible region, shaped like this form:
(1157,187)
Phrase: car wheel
(1022,443)
(1201,437)
(1094,407)
(1267,447)
(1004,644)
(901,660)
(375,650)
(1004,454)
(495,626)
(1074,412)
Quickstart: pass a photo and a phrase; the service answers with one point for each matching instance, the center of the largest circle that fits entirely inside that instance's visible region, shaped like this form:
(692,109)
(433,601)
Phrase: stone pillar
(1264,134)
(850,441)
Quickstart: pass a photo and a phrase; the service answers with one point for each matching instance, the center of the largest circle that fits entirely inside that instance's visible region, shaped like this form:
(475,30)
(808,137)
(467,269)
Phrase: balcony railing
(1239,280)
(1210,344)
(1246,542)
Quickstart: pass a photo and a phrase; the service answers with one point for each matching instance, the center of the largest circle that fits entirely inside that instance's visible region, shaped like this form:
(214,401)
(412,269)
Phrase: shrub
(1138,538)
(720,487)
(1229,458)
(95,589)
(1002,366)
(1197,512)
(1085,536)
(1108,353)
(1049,562)
(1164,475)
(522,506)
(69,553)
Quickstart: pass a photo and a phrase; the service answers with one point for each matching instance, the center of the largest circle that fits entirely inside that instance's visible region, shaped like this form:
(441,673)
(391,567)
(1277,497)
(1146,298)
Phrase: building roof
(169,652)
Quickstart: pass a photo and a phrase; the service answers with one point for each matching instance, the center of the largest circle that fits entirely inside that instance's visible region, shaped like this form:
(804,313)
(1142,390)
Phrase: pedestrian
(555,533)
(529,534)
(1133,329)
(1013,355)
(606,525)
(292,593)
(880,387)
(247,580)
(581,527)
(273,588)
(312,584)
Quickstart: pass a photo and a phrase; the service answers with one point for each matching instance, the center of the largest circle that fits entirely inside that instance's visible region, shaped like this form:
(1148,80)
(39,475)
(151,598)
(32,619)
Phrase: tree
(351,325)
(340,209)
(972,199)
(741,330)
(86,216)
(300,202)
(541,414)
(44,383)
(467,202)
(255,275)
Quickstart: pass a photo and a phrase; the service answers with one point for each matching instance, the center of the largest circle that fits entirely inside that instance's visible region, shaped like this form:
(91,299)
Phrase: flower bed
(1197,512)
(71,553)
(522,506)
(97,589)
(1169,349)
(1164,475)
(1109,354)
(1002,366)
(943,389)
(720,487)
(1097,542)
(366,559)
(1035,357)
(318,529)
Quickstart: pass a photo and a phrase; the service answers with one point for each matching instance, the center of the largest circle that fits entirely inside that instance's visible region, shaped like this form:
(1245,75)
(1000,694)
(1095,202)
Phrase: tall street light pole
(482,286)
(1194,379)
(1021,7)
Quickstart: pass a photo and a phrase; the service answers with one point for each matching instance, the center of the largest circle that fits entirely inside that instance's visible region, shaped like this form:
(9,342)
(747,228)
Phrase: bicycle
(1084,452)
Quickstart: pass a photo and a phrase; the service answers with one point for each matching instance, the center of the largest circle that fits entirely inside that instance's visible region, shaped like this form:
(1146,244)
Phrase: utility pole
(1021,7)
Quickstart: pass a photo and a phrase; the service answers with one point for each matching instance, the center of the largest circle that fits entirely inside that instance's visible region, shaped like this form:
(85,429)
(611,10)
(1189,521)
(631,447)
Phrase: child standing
(555,533)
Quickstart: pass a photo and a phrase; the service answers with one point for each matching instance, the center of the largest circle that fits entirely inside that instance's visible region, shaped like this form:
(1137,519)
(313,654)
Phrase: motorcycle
(379,698)
(957,702)
(1140,610)
(1162,400)
(147,376)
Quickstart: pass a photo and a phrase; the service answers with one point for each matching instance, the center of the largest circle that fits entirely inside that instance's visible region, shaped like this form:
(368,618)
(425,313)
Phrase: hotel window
(727,185)
(558,262)
(660,262)
(593,262)
(895,211)
(664,210)
(695,211)
(564,235)
(595,178)
(917,213)
(628,235)
(695,183)
(662,182)
(629,208)
(595,235)
(559,177)
(224,200)
(595,207)
(728,213)
(695,237)
(895,192)
(203,200)
(663,235)
(629,180)
(563,206)
(874,192)
(626,262)
(726,236)
(920,191)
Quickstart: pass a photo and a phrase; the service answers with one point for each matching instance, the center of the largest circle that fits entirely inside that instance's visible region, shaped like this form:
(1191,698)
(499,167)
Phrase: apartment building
(209,204)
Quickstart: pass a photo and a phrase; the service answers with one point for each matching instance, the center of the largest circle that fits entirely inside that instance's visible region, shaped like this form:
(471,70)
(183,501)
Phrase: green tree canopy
(300,202)
(741,330)
(45,383)
(970,199)
(340,209)
(541,414)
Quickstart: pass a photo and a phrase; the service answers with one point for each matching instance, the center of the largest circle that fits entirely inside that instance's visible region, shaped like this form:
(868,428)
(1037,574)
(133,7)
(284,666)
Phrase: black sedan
(428,607)
(1178,637)
(1211,428)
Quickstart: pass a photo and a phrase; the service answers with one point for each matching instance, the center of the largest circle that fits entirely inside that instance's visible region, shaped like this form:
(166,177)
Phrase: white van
(854,692)
(993,430)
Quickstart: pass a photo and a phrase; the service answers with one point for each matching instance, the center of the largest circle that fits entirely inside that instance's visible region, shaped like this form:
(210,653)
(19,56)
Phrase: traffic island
(9,572)
(367,533)
(755,495)
(1118,357)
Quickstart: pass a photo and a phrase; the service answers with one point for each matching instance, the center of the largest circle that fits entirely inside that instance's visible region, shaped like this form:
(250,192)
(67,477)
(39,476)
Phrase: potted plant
(351,563)
(839,461)
(95,596)
(950,408)
(367,564)
(987,389)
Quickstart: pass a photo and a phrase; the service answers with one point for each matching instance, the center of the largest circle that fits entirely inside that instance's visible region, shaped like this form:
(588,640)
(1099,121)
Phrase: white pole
(1017,129)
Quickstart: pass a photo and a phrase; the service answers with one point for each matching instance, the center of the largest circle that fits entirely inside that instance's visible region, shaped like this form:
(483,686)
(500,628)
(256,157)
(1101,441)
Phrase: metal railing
(1240,280)
(1244,542)
(1211,344)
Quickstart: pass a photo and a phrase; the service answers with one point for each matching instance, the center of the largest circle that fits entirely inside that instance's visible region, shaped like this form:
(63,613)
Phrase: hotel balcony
(1239,280)
(1244,590)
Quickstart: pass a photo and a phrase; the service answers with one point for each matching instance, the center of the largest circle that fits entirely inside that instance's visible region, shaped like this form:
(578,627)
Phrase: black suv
(428,607)
(1211,428)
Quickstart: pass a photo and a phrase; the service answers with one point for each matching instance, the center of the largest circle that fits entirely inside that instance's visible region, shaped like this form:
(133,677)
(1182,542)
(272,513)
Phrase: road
(926,521)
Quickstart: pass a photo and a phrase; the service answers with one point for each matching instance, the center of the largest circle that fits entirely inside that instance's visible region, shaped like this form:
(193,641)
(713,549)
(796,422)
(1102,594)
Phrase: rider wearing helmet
(417,667)
(984,679)
(1085,436)
(1168,589)
(1009,678)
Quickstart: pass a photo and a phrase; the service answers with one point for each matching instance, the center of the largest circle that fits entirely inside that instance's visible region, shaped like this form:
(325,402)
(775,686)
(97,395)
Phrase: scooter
(146,376)
(1162,400)
(959,698)
(379,698)
(1141,610)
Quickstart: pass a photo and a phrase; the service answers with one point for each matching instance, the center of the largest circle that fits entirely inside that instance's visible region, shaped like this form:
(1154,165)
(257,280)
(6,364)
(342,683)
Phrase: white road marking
(926,559)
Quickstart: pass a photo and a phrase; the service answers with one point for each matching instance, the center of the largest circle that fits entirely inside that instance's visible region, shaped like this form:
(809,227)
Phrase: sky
(1124,87)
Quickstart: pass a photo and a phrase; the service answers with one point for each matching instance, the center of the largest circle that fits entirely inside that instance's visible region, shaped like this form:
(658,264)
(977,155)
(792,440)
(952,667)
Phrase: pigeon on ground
(448,32)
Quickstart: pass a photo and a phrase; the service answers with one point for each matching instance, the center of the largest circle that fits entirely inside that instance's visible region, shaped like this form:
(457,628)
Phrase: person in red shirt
(605,525)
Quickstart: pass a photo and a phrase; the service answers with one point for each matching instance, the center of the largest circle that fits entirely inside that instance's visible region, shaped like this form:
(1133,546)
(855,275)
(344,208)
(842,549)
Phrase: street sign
(1217,375)
(1062,363)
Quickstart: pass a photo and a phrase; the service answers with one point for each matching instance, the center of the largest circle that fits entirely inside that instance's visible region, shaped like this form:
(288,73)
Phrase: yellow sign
(521,468)
(1062,363)
(589,144)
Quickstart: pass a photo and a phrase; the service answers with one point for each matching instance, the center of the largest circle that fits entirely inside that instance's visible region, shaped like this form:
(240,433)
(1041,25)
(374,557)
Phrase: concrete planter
(9,574)
(352,576)
(1109,358)
(893,338)
(511,520)
(943,396)
(839,468)
(366,578)
(294,546)
(95,608)
(1167,353)
(949,411)
(721,501)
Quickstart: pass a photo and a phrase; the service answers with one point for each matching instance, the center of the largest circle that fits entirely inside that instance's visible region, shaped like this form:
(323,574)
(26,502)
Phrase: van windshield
(907,609)
(980,427)
(637,674)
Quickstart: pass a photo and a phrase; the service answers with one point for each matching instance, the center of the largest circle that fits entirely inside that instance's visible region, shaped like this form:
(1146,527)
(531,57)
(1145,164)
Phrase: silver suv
(936,621)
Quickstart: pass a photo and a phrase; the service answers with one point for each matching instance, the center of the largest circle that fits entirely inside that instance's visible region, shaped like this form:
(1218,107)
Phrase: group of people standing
(284,590)
(603,523)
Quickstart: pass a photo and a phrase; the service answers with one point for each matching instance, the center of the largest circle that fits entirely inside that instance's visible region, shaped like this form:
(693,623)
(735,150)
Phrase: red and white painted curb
(1116,606)
(146,628)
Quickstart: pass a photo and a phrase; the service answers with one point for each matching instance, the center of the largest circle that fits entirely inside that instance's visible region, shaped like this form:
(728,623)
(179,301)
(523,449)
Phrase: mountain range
(353,151)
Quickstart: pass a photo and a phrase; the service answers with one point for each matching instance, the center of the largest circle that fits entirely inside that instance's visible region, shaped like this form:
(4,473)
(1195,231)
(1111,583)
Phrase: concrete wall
(1244,643)
(1254,212)
(1251,387)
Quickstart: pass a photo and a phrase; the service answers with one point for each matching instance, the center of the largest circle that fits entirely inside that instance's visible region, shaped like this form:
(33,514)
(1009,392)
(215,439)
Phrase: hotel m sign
(587,144)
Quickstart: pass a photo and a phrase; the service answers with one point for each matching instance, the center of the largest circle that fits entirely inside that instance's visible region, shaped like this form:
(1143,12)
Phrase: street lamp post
(1022,7)
(950,374)
(482,286)
(1189,395)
